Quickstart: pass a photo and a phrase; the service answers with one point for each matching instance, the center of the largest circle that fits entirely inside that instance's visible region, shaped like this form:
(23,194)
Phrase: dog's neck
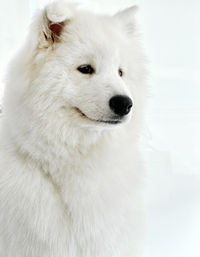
(55,152)
(62,157)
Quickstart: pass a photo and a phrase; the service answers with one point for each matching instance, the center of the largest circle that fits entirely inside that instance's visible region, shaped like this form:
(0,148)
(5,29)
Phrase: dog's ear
(127,18)
(55,17)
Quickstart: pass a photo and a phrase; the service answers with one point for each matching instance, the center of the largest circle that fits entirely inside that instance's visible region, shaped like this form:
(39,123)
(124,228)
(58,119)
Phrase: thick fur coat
(70,173)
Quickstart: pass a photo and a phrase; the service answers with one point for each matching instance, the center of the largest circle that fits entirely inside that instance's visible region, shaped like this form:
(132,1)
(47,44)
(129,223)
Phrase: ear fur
(127,18)
(55,16)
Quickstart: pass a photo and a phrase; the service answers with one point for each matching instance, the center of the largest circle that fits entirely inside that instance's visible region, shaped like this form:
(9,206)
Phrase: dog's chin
(102,122)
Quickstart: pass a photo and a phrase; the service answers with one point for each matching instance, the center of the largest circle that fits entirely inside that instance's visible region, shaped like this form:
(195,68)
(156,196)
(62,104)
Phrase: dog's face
(96,70)
(89,66)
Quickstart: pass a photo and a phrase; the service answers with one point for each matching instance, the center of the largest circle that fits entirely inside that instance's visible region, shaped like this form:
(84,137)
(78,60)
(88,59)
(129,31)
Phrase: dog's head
(83,67)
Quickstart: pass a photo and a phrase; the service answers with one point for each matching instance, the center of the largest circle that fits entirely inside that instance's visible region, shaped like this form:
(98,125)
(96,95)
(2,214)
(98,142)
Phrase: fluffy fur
(70,185)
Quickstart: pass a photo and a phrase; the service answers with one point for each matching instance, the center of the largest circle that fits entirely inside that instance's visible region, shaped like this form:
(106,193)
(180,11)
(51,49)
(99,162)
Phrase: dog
(71,172)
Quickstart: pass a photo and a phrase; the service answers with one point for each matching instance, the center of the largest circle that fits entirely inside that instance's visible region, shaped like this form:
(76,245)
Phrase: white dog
(70,168)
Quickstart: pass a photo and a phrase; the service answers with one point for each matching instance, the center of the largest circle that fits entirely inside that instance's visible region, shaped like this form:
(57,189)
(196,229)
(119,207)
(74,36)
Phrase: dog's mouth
(111,121)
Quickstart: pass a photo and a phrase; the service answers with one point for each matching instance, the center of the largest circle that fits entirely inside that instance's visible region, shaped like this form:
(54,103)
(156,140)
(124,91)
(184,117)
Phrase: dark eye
(120,72)
(86,69)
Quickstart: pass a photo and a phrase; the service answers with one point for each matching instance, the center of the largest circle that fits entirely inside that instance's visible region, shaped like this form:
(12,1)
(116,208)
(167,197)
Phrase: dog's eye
(120,72)
(86,69)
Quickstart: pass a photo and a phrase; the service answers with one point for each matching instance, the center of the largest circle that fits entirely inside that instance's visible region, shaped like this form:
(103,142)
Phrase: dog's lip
(79,111)
(114,121)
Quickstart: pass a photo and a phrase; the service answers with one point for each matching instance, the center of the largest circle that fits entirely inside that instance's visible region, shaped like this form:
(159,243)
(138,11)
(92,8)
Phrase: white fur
(70,186)
(59,12)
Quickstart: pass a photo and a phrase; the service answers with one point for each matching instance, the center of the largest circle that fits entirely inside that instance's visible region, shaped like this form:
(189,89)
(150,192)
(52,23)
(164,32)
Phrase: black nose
(120,104)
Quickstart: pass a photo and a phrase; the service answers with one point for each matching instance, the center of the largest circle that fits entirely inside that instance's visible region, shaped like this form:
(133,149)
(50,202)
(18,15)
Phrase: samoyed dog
(70,167)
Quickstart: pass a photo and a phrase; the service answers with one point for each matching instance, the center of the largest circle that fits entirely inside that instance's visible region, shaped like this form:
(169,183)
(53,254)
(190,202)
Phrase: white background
(171,31)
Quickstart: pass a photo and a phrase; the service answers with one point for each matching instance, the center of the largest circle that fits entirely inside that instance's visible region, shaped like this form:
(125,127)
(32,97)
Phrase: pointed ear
(55,16)
(127,18)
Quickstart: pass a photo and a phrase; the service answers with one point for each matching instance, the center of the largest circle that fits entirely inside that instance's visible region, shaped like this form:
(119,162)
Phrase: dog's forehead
(95,34)
(93,22)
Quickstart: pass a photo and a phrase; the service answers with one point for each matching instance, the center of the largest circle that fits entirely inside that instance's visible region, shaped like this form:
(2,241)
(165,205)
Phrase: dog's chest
(101,211)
